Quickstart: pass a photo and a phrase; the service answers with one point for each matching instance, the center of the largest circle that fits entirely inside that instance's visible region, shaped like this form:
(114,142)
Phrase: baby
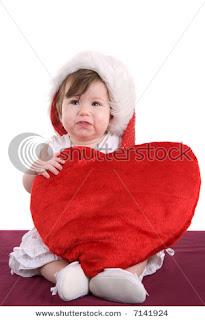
(93,106)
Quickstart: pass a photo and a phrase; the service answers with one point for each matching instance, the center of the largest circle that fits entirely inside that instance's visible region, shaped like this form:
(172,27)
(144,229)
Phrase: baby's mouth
(84,124)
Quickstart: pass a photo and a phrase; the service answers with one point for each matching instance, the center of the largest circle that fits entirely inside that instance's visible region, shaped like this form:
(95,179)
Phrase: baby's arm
(40,167)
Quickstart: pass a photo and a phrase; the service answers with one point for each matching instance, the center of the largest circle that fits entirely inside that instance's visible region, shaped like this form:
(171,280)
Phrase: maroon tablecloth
(180,282)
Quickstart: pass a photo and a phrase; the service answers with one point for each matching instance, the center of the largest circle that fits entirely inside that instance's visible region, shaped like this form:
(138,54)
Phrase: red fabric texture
(128,138)
(119,209)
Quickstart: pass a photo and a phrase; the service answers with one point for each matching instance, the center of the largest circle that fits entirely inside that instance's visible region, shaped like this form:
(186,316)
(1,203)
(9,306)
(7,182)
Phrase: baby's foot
(118,285)
(71,282)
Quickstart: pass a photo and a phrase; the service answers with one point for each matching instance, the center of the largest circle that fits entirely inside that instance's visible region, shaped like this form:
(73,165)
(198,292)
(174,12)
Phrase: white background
(161,42)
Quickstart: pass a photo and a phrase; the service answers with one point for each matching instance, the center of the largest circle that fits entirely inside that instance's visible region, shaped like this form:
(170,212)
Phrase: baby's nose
(85,109)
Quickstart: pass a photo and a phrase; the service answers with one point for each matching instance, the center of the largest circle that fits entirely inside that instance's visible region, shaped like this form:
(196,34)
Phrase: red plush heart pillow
(116,210)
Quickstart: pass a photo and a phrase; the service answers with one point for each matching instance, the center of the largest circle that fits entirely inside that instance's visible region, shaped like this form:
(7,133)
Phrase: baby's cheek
(105,116)
(68,125)
(103,123)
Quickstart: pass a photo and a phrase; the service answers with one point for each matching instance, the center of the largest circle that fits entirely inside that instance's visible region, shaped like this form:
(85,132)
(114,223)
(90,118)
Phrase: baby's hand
(40,167)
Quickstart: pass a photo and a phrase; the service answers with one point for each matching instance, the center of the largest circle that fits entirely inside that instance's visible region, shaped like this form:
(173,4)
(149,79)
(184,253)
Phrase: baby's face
(87,118)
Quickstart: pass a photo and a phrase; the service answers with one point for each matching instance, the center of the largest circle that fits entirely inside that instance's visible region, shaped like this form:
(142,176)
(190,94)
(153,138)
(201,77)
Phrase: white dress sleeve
(57,143)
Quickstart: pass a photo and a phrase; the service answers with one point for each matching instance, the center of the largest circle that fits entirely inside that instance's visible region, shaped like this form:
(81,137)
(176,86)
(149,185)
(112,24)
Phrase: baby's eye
(74,102)
(95,103)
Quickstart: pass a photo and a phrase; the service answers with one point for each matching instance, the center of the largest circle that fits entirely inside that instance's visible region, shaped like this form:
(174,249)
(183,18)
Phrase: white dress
(32,253)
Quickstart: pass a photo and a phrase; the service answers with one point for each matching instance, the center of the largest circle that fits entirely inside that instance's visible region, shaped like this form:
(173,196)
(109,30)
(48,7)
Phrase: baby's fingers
(57,158)
(57,165)
(43,172)
(52,169)
(60,160)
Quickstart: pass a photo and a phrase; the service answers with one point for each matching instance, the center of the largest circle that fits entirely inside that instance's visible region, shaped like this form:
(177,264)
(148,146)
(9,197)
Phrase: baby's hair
(80,82)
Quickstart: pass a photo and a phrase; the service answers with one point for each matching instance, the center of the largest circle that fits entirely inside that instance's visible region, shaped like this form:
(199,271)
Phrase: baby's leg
(49,269)
(138,268)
